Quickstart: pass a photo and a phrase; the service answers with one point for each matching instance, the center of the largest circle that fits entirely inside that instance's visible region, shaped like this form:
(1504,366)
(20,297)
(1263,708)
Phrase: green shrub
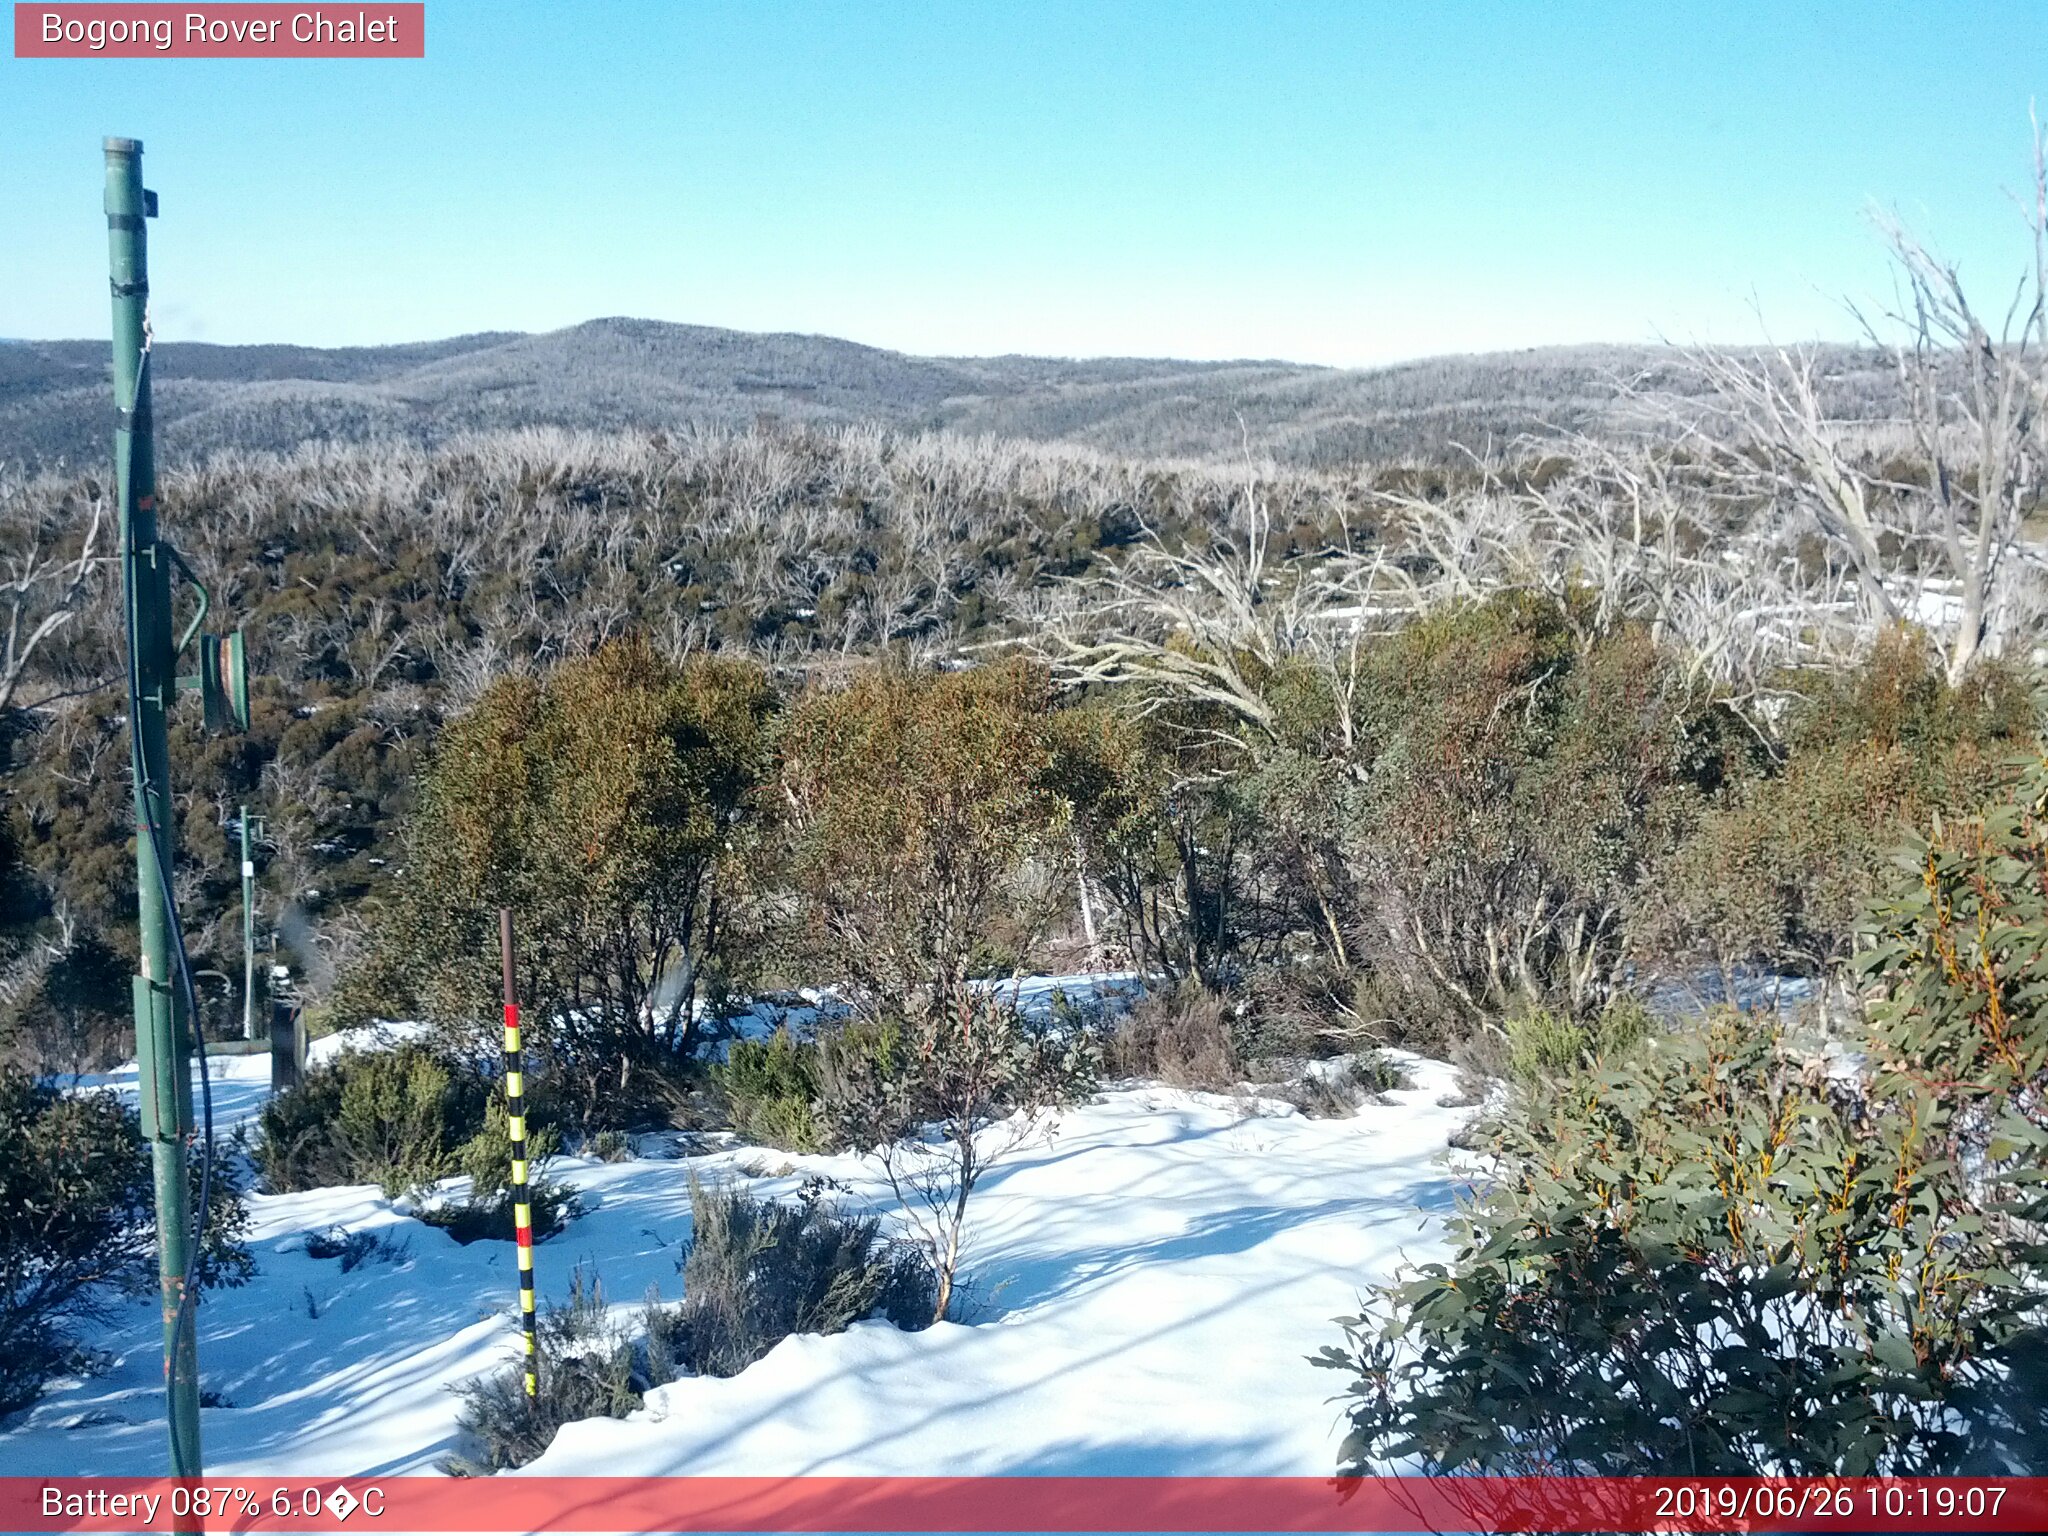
(923,830)
(758,1271)
(785,1093)
(608,801)
(1542,1044)
(1776,875)
(75,1016)
(610,1147)
(1716,1258)
(769,1087)
(485,1159)
(1308,1009)
(486,1213)
(391,1124)
(1167,833)
(1524,779)
(1625,1023)
(1959,953)
(1426,1020)
(852,1056)
(392,1118)
(80,1227)
(586,1369)
(295,1147)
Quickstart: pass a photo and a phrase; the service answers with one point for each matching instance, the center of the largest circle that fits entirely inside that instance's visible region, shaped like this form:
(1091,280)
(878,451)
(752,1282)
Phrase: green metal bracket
(166,1101)
(205,597)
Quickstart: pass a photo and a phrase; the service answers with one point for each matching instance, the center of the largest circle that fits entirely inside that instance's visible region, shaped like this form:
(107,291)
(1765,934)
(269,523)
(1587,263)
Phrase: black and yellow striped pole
(515,1130)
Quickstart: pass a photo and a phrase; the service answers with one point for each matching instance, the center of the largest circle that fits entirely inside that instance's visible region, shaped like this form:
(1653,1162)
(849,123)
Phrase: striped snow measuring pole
(515,1130)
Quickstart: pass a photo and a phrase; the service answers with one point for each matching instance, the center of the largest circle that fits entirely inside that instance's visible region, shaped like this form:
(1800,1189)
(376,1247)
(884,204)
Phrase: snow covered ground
(1143,1289)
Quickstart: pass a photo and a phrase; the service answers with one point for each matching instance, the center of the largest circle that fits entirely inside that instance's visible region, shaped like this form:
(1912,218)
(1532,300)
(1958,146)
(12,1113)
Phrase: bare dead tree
(41,592)
(1632,531)
(1208,625)
(1937,540)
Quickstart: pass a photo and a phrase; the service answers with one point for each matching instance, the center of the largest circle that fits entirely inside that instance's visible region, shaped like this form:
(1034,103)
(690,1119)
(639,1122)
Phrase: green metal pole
(248,934)
(162,1034)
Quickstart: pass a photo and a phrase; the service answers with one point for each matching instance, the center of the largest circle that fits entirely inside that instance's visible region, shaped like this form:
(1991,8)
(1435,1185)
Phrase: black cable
(182,962)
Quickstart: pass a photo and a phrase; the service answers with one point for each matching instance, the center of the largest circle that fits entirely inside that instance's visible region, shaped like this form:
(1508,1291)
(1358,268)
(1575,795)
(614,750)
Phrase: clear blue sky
(1342,183)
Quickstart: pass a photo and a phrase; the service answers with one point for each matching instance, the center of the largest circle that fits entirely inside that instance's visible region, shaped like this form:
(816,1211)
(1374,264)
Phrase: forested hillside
(610,374)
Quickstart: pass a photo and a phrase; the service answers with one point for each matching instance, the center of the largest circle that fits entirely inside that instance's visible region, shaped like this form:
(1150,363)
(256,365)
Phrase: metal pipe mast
(162,1032)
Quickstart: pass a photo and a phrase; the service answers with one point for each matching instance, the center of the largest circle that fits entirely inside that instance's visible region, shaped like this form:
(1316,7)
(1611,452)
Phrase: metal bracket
(205,597)
(166,1112)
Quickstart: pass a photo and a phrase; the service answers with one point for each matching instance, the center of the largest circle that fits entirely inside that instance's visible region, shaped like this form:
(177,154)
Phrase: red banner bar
(1043,1504)
(372,30)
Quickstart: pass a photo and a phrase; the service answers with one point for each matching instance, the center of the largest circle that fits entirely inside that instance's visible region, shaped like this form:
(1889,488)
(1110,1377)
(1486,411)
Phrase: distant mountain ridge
(54,403)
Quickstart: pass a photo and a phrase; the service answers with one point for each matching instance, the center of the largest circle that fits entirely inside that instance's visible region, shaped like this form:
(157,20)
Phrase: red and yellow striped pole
(515,1131)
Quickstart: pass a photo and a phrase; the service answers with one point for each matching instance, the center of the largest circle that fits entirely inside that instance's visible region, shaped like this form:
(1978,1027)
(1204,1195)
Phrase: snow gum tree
(925,836)
(928,844)
(607,804)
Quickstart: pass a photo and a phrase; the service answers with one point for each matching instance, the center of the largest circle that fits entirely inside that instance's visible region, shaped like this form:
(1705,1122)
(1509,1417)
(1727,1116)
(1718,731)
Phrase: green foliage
(1959,951)
(390,1125)
(1777,874)
(1465,816)
(395,1118)
(1543,1045)
(897,1077)
(1716,1260)
(383,585)
(1168,831)
(921,819)
(792,1094)
(1522,782)
(76,1184)
(604,804)
(485,1158)
(295,1147)
(769,1087)
(758,1271)
(75,1016)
